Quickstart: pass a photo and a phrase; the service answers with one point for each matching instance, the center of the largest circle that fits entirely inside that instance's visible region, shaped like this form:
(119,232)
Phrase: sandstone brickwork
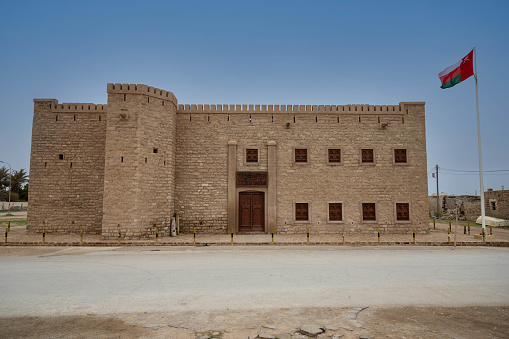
(160,159)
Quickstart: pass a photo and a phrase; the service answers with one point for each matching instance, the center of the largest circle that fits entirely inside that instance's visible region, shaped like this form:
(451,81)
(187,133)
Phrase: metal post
(468,228)
(438,195)
(6,235)
(81,235)
(232,235)
(483,215)
(308,235)
(9,226)
(379,235)
(413,234)
(456,224)
(491,230)
(157,234)
(434,224)
(194,235)
(43,235)
(448,236)
(272,235)
(343,235)
(119,235)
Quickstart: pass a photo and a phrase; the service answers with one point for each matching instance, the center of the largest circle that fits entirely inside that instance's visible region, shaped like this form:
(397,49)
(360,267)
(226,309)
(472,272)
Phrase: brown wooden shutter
(301,155)
(402,211)
(301,211)
(335,211)
(400,156)
(367,155)
(334,155)
(251,155)
(368,211)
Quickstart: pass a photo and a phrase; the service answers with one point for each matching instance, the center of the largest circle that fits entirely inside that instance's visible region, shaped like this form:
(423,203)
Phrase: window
(367,155)
(301,211)
(335,211)
(61,157)
(368,212)
(252,155)
(334,155)
(155,150)
(493,205)
(301,155)
(402,212)
(400,156)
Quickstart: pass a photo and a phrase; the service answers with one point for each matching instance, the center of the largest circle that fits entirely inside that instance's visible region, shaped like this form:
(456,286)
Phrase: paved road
(81,280)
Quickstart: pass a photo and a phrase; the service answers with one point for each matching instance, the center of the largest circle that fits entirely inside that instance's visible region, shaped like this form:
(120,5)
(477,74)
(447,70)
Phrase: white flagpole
(483,215)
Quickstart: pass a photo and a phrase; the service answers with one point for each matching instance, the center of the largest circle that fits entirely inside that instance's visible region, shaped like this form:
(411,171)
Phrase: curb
(198,244)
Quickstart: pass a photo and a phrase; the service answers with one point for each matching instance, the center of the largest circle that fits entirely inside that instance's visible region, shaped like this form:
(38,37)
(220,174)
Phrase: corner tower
(139,174)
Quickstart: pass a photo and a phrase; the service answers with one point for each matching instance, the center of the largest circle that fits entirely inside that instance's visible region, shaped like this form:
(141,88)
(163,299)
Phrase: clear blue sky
(268,52)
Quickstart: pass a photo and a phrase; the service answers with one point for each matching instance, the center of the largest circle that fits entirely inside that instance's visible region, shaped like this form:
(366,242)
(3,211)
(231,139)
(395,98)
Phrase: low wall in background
(4,205)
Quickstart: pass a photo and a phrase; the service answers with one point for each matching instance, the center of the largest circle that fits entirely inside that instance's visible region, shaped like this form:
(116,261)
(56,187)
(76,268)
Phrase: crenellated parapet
(78,107)
(305,109)
(141,89)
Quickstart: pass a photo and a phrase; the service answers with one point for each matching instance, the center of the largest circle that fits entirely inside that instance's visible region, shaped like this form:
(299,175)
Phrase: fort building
(142,159)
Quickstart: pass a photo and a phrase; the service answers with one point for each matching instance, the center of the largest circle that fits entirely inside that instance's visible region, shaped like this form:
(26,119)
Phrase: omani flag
(458,72)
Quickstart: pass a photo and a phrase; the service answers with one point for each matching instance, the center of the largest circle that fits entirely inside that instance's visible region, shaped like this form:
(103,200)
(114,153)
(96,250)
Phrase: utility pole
(438,196)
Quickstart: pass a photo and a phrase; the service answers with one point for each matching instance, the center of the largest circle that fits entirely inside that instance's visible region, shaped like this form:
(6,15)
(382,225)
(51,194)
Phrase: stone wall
(134,163)
(203,133)
(140,161)
(497,204)
(67,167)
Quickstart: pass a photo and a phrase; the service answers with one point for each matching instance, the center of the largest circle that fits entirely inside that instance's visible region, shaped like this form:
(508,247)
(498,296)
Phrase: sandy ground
(374,322)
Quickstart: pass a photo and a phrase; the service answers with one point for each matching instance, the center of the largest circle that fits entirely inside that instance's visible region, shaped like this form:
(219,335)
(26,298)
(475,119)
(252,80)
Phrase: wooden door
(251,212)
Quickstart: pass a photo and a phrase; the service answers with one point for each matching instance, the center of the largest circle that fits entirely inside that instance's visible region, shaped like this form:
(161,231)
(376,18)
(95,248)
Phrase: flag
(458,72)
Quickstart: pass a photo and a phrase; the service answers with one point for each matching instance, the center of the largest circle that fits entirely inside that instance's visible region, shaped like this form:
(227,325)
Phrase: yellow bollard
(448,236)
(232,235)
(157,234)
(343,235)
(468,228)
(43,235)
(379,235)
(272,235)
(491,230)
(413,234)
(434,224)
(308,235)
(81,235)
(119,235)
(483,236)
(9,226)
(6,235)
(194,235)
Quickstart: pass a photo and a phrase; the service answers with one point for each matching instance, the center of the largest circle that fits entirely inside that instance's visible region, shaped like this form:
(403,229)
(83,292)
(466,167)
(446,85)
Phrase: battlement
(303,109)
(78,107)
(142,90)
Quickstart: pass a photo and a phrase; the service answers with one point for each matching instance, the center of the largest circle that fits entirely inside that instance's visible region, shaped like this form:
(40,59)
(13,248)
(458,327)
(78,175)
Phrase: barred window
(301,155)
(400,156)
(335,211)
(301,211)
(368,212)
(367,155)
(252,155)
(334,155)
(402,211)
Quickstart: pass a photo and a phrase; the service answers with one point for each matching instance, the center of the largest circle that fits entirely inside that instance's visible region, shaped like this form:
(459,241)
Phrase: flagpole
(483,215)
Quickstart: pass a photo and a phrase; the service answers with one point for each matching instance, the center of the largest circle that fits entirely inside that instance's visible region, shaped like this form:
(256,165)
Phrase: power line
(456,170)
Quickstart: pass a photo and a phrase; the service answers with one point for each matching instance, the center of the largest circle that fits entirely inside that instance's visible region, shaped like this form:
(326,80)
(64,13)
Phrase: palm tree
(18,179)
